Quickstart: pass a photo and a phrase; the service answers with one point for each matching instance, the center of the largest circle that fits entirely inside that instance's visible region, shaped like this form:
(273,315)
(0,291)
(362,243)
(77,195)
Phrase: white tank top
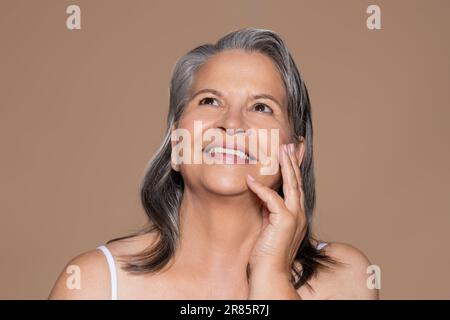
(113,271)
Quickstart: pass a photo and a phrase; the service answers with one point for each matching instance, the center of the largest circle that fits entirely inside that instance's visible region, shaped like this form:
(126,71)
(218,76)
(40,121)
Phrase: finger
(295,165)
(290,184)
(273,201)
(294,160)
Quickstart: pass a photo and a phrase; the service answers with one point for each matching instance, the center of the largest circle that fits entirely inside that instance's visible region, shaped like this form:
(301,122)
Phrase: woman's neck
(217,234)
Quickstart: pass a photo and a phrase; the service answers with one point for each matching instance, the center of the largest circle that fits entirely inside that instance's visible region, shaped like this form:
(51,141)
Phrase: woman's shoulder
(347,254)
(87,275)
(345,280)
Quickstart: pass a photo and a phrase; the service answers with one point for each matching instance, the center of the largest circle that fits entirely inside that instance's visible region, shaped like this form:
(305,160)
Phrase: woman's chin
(227,179)
(226,187)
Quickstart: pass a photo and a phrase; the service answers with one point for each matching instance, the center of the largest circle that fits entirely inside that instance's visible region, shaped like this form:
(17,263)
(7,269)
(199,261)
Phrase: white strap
(112,270)
(321,245)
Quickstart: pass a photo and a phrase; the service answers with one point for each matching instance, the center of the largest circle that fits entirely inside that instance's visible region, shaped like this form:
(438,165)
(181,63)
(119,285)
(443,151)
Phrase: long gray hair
(162,187)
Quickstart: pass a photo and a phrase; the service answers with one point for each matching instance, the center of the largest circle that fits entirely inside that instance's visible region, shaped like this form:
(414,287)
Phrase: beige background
(81,113)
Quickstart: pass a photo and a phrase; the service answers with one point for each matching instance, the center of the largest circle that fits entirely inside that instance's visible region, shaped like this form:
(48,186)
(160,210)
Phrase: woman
(222,229)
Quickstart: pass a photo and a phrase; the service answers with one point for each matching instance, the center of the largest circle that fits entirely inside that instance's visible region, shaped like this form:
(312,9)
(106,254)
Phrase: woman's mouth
(228,155)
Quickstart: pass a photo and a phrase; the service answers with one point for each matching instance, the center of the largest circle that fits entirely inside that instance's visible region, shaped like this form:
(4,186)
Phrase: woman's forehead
(238,72)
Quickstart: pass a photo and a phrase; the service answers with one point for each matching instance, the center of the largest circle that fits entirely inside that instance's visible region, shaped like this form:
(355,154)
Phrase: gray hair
(162,187)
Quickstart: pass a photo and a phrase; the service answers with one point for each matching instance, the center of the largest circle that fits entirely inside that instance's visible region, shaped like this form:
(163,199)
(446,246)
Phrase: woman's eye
(208,101)
(260,107)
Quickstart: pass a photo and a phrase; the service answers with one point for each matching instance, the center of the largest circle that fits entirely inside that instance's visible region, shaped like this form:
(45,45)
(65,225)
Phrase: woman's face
(235,90)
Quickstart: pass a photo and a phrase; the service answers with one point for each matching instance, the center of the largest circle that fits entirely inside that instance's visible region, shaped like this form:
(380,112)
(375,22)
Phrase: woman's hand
(283,229)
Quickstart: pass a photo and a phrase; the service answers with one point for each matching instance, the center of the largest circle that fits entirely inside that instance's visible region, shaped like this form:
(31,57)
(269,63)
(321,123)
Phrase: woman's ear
(174,166)
(300,150)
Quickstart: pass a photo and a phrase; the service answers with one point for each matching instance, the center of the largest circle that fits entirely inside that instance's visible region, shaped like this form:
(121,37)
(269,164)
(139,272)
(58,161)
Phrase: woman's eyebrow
(266,96)
(213,91)
(220,94)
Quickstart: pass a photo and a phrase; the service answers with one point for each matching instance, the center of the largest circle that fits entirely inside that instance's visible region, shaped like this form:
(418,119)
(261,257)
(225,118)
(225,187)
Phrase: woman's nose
(232,120)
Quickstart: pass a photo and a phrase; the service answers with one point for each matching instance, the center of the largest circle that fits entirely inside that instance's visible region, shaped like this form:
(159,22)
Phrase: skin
(230,215)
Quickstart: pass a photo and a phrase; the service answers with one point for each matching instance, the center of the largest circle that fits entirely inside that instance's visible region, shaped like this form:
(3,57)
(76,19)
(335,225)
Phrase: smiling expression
(234,94)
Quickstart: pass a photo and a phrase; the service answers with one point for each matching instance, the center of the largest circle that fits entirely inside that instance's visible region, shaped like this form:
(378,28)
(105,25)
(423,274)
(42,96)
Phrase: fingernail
(250,177)
(285,147)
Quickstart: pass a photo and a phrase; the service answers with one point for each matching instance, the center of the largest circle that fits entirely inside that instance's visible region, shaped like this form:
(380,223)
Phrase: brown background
(82,111)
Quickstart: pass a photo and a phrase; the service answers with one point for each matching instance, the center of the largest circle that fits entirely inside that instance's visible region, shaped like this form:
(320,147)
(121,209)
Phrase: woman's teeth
(238,153)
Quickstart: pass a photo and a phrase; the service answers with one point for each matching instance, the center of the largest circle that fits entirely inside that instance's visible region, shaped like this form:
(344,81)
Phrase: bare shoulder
(347,279)
(85,276)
